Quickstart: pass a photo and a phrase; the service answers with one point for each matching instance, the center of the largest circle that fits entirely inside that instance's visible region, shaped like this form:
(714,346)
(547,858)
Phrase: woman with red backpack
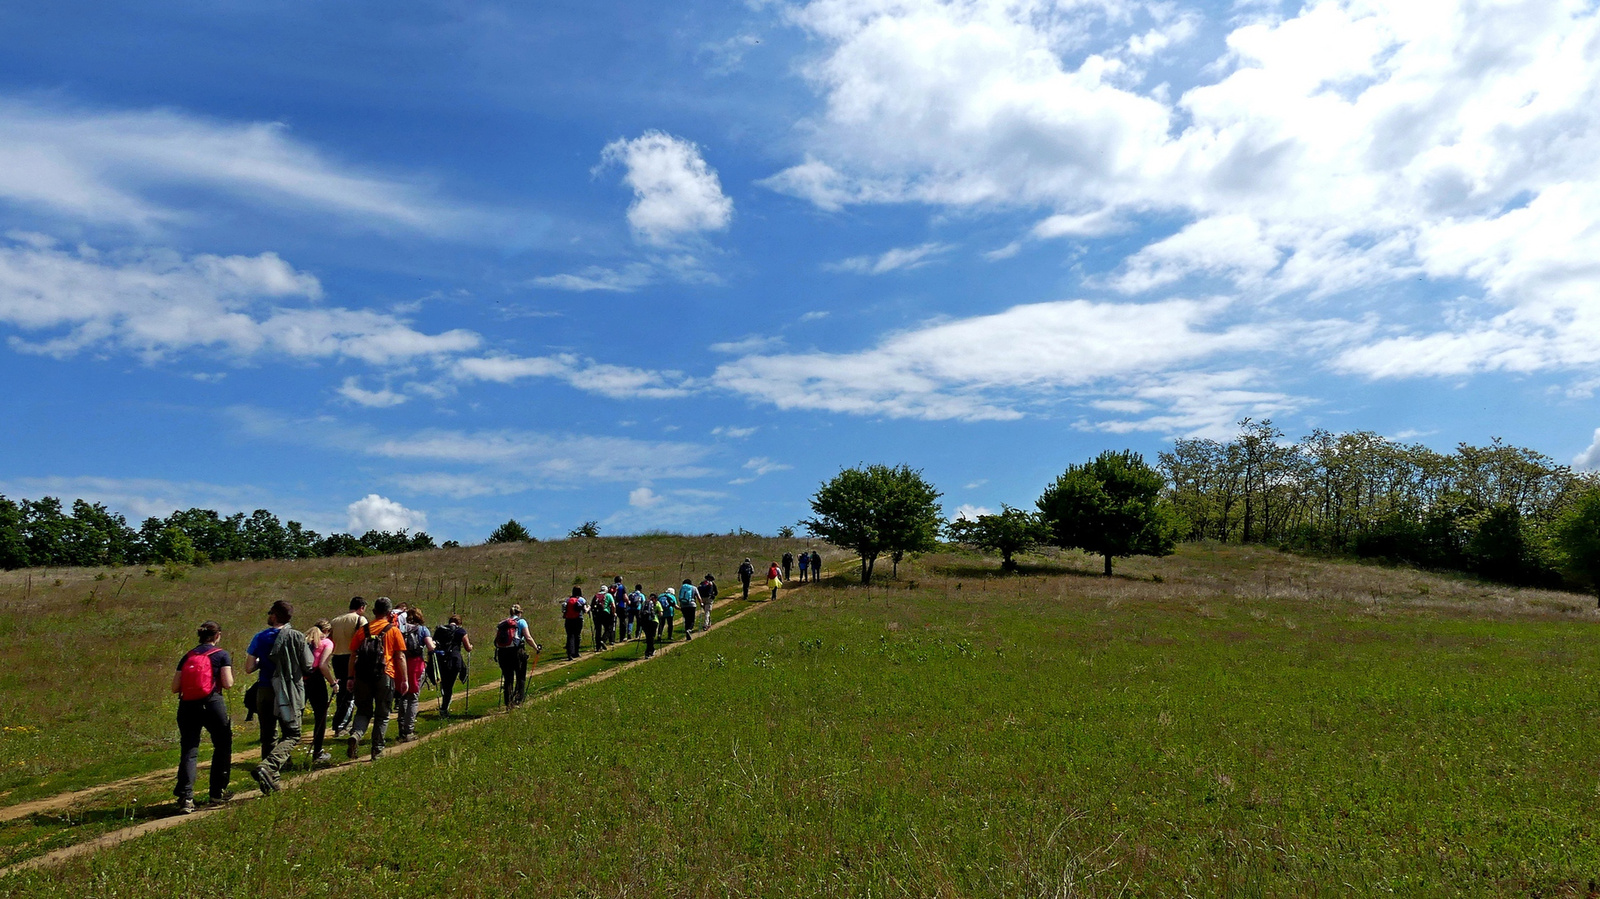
(419,645)
(203,673)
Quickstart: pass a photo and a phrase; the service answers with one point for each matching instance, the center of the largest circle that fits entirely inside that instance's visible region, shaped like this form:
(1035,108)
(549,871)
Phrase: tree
(587,529)
(1008,533)
(13,542)
(874,510)
(172,545)
(1111,507)
(786,533)
(1577,538)
(510,532)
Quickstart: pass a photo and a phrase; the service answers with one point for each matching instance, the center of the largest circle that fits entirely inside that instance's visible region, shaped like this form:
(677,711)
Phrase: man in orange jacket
(377,656)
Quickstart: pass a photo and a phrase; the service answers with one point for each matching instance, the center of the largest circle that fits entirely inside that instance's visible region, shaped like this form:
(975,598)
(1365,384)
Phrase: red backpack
(196,679)
(573,609)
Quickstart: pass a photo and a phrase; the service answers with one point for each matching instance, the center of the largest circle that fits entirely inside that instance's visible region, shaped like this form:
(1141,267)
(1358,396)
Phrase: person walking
(746,573)
(419,645)
(320,687)
(511,639)
(774,579)
(624,613)
(203,673)
(689,603)
(788,564)
(291,659)
(649,614)
(340,631)
(448,641)
(708,592)
(635,605)
(378,656)
(816,566)
(598,615)
(805,566)
(572,613)
(669,611)
(259,698)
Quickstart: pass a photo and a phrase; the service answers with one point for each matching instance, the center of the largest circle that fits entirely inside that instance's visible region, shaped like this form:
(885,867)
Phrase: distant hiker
(649,613)
(688,603)
(708,592)
(448,641)
(511,639)
(774,579)
(635,606)
(572,609)
(378,655)
(259,697)
(788,564)
(624,612)
(816,566)
(669,610)
(340,631)
(598,613)
(408,692)
(286,690)
(203,673)
(746,572)
(320,685)
(805,566)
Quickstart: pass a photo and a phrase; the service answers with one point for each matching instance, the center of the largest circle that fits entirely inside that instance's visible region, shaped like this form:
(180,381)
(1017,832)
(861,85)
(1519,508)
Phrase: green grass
(1250,725)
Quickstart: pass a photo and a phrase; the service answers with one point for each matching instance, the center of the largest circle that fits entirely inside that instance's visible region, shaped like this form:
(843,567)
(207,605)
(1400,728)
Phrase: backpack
(446,639)
(413,637)
(368,664)
(686,598)
(573,608)
(505,634)
(197,678)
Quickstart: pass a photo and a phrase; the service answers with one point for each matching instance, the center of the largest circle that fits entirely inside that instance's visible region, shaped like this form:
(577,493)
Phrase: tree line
(42,532)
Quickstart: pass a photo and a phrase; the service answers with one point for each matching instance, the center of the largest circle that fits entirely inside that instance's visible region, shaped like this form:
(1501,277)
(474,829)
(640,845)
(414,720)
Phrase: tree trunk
(1108,564)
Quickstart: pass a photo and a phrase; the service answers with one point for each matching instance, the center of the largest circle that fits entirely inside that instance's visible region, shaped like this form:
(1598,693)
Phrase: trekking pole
(467,683)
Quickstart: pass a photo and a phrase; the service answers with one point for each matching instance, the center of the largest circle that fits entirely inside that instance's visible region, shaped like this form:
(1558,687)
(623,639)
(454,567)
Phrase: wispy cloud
(900,258)
(624,280)
(758,467)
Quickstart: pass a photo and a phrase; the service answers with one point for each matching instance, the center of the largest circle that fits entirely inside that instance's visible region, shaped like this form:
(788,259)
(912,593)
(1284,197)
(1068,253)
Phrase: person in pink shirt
(320,684)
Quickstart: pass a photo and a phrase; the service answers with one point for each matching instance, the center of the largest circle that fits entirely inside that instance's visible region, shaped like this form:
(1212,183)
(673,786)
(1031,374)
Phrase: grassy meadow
(1226,722)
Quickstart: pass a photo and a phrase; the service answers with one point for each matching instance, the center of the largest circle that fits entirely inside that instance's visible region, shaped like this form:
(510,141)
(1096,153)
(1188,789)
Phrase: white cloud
(377,513)
(625,280)
(684,509)
(754,343)
(616,381)
(898,258)
(113,167)
(140,498)
(972,369)
(735,433)
(814,315)
(644,498)
(675,193)
(156,303)
(378,399)
(975,484)
(970,512)
(1590,458)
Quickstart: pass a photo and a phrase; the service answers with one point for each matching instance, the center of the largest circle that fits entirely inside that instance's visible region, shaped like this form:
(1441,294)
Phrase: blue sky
(438,265)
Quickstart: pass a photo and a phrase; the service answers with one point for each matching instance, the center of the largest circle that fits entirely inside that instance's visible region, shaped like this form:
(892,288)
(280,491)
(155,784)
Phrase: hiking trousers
(317,696)
(266,717)
(341,709)
(649,636)
(746,582)
(373,701)
(513,674)
(288,733)
(574,637)
(452,667)
(688,621)
(211,716)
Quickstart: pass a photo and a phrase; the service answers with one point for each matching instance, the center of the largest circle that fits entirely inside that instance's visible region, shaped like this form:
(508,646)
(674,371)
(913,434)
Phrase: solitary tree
(1008,533)
(1112,507)
(874,510)
(587,529)
(1577,538)
(510,532)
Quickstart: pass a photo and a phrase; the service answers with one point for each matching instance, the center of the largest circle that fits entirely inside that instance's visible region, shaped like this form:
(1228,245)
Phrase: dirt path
(68,799)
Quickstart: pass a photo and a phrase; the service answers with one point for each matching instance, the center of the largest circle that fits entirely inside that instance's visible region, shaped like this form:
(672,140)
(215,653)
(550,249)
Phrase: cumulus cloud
(156,303)
(970,512)
(898,258)
(113,167)
(676,194)
(378,513)
(644,498)
(1590,458)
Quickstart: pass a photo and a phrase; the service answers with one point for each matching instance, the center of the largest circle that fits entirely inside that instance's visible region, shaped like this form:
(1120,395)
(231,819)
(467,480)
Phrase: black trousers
(513,674)
(341,709)
(649,626)
(746,582)
(574,636)
(452,667)
(317,696)
(209,715)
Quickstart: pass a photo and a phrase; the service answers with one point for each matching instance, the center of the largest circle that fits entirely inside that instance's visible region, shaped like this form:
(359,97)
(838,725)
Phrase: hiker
(624,612)
(805,566)
(635,605)
(511,639)
(448,641)
(598,614)
(572,609)
(320,686)
(649,612)
(746,572)
(708,592)
(619,597)
(419,645)
(788,564)
(203,673)
(258,698)
(816,566)
(378,655)
(688,602)
(669,608)
(340,631)
(774,580)
(285,690)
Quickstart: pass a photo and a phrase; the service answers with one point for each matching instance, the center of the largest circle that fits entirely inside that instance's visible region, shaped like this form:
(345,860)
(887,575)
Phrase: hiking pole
(466,671)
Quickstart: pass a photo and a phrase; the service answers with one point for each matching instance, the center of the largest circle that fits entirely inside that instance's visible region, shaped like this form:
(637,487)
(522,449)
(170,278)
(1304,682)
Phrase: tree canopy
(510,532)
(1112,507)
(1010,532)
(877,509)
(1577,538)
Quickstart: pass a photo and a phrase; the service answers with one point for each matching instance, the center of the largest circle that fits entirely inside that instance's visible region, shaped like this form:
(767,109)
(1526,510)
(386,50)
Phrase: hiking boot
(352,747)
(322,759)
(264,781)
(222,798)
(377,753)
(185,806)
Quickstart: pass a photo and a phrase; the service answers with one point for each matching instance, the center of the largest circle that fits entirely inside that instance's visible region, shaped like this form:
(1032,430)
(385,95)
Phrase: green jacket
(291,656)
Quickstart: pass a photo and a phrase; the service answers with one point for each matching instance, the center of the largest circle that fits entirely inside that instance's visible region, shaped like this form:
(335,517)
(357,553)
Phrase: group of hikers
(367,668)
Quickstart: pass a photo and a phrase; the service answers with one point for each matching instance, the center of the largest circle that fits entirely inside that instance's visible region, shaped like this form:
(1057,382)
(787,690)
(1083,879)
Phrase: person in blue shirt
(688,603)
(258,661)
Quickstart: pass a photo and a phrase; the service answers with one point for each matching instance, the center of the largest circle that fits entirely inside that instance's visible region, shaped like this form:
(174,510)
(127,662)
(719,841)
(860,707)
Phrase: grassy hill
(1224,722)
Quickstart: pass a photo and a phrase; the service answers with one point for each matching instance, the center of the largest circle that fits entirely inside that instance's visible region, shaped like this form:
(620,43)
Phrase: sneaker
(222,798)
(323,758)
(377,753)
(264,781)
(352,747)
(185,806)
